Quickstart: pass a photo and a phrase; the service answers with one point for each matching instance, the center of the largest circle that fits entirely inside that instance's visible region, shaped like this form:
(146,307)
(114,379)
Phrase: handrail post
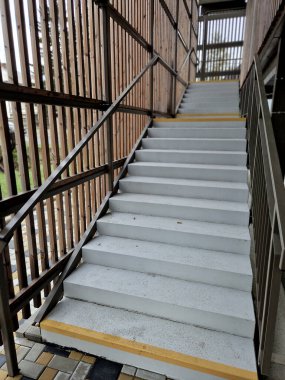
(6,324)
(151,32)
(205,34)
(103,4)
(190,40)
(278,103)
(175,60)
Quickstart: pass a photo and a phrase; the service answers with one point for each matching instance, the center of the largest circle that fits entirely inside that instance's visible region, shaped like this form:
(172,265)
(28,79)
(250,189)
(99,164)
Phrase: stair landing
(166,283)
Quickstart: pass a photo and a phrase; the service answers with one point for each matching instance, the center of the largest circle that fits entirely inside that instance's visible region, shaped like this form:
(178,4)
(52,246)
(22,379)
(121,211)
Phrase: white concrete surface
(195,143)
(198,124)
(227,191)
(203,305)
(173,251)
(194,341)
(188,233)
(205,172)
(215,133)
(206,266)
(185,208)
(192,156)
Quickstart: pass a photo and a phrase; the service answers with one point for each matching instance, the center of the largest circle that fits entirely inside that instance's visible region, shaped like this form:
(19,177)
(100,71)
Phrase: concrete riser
(190,173)
(210,97)
(203,192)
(195,144)
(183,212)
(186,239)
(166,268)
(209,109)
(191,157)
(199,124)
(223,133)
(202,318)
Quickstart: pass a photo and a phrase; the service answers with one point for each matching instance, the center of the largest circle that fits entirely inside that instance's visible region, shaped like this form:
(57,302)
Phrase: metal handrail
(7,232)
(273,159)
(267,208)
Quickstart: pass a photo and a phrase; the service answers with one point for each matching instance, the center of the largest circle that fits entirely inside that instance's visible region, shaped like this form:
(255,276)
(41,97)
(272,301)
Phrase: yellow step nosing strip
(187,119)
(152,352)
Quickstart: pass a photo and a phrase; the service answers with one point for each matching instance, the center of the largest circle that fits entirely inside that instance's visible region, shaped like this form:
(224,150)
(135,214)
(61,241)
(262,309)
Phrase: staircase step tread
(219,261)
(225,128)
(194,341)
(174,224)
(186,182)
(192,295)
(194,166)
(193,139)
(180,123)
(178,201)
(190,151)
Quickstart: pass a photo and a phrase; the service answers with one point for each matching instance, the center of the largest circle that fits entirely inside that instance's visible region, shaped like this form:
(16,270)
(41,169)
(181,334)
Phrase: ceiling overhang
(209,6)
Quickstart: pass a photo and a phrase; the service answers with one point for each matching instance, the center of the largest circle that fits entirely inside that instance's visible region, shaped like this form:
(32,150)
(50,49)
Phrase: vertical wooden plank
(43,111)
(44,144)
(70,201)
(33,146)
(20,142)
(86,92)
(74,114)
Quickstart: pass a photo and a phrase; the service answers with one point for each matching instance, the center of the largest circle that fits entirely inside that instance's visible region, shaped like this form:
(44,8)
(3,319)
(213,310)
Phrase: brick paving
(38,361)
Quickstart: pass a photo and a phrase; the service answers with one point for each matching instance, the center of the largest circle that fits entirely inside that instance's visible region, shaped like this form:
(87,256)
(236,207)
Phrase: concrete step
(209,108)
(218,90)
(225,116)
(224,191)
(207,172)
(178,123)
(192,156)
(183,208)
(182,351)
(211,96)
(211,92)
(216,308)
(207,102)
(191,264)
(195,143)
(224,133)
(187,233)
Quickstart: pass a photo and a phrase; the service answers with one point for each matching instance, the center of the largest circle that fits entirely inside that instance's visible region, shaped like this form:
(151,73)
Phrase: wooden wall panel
(56,49)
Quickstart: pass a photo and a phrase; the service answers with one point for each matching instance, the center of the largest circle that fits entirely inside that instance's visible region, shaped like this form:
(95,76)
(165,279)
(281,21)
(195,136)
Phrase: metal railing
(268,209)
(115,69)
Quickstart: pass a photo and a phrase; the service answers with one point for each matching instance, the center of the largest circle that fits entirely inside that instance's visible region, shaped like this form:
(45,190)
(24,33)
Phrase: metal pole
(190,41)
(6,324)
(151,31)
(103,4)
(278,105)
(205,33)
(175,60)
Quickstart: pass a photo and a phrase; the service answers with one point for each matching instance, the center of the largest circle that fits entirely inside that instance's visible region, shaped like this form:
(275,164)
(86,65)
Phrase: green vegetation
(3,183)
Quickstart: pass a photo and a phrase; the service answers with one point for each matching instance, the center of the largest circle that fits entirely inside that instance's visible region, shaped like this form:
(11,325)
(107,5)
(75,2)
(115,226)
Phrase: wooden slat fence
(53,88)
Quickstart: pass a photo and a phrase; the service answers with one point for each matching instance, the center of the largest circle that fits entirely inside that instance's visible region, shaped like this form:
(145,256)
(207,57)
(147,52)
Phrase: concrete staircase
(166,284)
